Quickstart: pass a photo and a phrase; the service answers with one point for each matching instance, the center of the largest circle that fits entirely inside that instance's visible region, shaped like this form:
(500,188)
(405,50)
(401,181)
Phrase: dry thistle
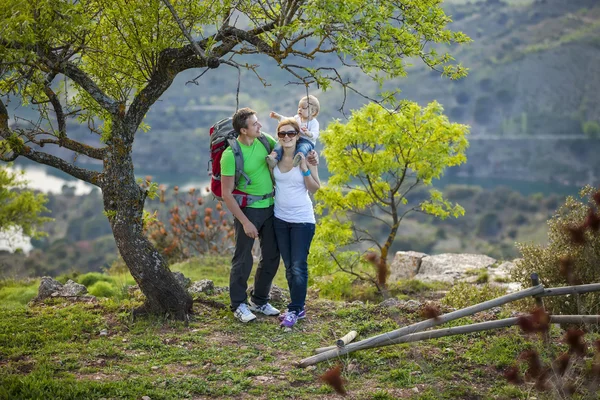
(592,222)
(574,338)
(333,377)
(577,234)
(430,311)
(596,197)
(534,365)
(513,375)
(537,321)
(561,364)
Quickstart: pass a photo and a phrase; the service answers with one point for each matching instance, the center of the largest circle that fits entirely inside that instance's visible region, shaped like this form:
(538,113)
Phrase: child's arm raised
(276,116)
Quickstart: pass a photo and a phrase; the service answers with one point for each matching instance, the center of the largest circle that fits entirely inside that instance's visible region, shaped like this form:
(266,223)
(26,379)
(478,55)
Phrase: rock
(276,294)
(103,332)
(411,305)
(406,265)
(391,302)
(182,280)
(71,289)
(48,286)
(202,286)
(452,267)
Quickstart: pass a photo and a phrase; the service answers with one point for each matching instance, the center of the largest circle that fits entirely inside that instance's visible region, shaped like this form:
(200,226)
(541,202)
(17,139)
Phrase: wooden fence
(414,332)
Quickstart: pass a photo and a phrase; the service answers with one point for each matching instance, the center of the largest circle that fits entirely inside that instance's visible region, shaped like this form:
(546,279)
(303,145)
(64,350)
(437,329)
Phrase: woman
(294,217)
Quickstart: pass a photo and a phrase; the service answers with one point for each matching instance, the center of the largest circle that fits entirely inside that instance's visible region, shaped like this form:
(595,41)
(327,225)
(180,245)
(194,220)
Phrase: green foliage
(375,160)
(562,261)
(591,129)
(16,294)
(91,278)
(464,294)
(102,289)
(20,209)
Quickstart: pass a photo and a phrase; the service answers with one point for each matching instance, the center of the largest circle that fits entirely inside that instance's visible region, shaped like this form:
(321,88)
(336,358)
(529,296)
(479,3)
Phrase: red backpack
(222,136)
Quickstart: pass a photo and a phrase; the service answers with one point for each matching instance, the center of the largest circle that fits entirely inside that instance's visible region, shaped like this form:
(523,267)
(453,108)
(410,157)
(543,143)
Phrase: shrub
(102,289)
(465,294)
(591,129)
(571,256)
(91,278)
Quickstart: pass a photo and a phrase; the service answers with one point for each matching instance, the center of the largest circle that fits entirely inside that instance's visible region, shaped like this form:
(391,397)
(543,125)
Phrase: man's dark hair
(240,118)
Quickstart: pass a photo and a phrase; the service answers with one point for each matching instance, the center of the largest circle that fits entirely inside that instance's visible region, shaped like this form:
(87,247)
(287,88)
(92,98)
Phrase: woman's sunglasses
(281,135)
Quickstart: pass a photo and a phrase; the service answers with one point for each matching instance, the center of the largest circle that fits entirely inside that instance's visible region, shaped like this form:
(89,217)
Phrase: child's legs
(304,146)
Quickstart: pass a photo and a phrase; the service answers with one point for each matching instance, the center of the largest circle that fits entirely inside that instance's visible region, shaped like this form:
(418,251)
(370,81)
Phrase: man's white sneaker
(243,314)
(266,308)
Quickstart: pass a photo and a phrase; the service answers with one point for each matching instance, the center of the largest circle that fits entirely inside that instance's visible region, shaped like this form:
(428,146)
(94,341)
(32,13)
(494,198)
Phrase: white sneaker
(243,314)
(266,308)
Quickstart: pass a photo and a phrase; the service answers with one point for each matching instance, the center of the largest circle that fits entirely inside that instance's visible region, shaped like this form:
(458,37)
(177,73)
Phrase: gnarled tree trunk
(124,205)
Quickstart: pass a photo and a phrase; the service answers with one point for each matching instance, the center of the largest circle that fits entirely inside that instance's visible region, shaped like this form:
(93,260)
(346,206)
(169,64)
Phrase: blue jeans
(293,240)
(303,146)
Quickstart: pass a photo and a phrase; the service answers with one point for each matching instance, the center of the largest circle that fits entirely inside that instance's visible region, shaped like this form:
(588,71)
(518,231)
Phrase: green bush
(547,260)
(464,294)
(591,129)
(91,278)
(102,289)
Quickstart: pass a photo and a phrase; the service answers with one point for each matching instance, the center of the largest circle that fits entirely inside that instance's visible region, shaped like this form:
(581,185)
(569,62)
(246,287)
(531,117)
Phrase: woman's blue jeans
(293,240)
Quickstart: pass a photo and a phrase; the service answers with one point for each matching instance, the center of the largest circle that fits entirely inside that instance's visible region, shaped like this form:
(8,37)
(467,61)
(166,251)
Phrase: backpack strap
(239,162)
(263,139)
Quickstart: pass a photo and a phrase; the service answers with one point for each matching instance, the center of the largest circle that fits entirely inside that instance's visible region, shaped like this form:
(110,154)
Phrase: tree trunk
(124,205)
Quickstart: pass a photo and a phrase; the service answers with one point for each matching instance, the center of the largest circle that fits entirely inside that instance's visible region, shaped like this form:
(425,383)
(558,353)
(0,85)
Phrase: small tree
(375,161)
(20,209)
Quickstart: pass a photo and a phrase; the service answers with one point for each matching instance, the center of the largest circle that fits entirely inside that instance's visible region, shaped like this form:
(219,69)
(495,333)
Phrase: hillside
(532,96)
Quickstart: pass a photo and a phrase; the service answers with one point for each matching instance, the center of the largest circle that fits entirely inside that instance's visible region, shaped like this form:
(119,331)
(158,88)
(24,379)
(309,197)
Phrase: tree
(20,209)
(106,62)
(376,159)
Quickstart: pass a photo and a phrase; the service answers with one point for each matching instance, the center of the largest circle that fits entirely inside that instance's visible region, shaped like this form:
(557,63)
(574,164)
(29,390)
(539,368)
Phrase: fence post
(535,280)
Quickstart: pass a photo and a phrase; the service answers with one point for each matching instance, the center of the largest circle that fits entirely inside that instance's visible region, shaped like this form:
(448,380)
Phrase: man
(251,222)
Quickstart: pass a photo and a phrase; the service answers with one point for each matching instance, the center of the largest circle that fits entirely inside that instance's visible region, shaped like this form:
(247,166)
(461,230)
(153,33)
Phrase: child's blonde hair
(313,105)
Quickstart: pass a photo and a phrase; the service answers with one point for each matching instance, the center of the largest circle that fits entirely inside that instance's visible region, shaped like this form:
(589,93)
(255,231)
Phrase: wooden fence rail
(414,332)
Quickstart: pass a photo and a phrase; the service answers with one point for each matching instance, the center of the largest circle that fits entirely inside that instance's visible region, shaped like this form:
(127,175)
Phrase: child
(308,109)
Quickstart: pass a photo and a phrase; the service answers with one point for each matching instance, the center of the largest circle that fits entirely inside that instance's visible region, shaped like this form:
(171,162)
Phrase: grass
(56,350)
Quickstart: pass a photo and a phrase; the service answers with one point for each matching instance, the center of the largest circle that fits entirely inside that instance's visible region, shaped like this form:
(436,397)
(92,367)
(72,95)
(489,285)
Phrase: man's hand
(313,158)
(250,230)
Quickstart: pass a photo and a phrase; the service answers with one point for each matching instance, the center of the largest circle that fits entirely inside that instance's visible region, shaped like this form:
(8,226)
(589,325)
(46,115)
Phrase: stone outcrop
(451,268)
(406,265)
(182,280)
(52,288)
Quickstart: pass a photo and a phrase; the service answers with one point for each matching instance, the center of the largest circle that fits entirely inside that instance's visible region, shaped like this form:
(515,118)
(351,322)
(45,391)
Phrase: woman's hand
(303,165)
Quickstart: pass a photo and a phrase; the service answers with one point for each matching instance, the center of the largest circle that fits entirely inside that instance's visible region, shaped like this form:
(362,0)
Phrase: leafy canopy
(123,45)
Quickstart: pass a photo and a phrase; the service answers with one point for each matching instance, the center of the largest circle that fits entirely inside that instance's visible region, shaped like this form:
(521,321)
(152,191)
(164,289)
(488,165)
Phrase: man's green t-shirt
(255,167)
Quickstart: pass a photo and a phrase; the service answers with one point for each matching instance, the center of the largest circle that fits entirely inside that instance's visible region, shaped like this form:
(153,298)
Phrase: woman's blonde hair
(313,105)
(289,121)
